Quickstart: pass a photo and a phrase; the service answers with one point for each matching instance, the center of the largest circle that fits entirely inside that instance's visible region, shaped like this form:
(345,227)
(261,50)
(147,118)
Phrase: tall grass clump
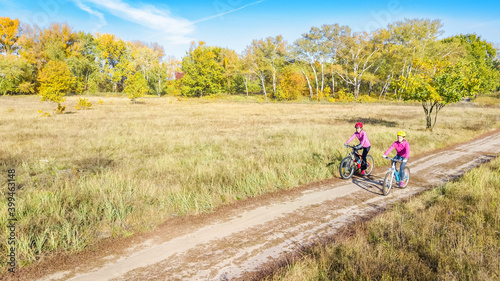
(448,233)
(122,168)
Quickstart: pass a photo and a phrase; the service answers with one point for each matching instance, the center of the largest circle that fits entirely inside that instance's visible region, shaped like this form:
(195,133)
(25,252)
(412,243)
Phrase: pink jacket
(362,137)
(402,148)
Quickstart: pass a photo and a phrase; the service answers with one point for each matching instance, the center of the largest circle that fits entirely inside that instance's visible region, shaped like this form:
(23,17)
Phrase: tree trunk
(356,85)
(322,78)
(274,83)
(316,79)
(159,87)
(333,85)
(245,80)
(308,84)
(263,86)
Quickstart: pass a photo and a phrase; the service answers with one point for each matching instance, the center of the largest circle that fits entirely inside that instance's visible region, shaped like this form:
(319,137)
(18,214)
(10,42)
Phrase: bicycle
(352,162)
(393,176)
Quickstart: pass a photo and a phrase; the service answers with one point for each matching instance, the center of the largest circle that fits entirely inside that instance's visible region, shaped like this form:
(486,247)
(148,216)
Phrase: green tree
(481,57)
(15,75)
(230,62)
(82,63)
(257,65)
(412,40)
(203,72)
(136,86)
(435,84)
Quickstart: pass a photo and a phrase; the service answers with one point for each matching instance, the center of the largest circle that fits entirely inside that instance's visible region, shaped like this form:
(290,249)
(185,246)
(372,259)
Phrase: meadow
(447,233)
(120,168)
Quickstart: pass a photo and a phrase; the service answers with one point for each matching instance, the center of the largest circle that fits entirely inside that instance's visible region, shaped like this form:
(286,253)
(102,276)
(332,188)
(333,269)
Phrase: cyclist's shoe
(401,184)
(362,172)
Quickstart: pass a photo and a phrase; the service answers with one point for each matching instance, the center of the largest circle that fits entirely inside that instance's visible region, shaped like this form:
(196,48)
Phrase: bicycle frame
(353,162)
(354,154)
(393,174)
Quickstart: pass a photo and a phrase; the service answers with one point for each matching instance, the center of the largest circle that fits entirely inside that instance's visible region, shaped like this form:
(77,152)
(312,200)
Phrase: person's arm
(351,138)
(390,149)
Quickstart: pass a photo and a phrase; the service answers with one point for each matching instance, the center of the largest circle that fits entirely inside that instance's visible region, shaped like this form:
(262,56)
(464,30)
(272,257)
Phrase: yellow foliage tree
(9,33)
(136,86)
(55,81)
(290,86)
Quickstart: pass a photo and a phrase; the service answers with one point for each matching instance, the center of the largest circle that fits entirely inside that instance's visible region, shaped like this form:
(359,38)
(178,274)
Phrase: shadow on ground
(372,184)
(373,121)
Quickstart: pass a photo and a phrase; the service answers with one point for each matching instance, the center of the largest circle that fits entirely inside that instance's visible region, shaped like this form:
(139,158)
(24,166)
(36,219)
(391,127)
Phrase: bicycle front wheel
(386,188)
(369,165)
(346,168)
(406,178)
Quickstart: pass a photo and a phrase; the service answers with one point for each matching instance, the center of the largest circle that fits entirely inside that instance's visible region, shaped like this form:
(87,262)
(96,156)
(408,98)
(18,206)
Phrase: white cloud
(175,29)
(228,12)
(100,16)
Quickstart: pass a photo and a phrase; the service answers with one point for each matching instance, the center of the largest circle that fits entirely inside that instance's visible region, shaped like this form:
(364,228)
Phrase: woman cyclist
(363,143)
(403,153)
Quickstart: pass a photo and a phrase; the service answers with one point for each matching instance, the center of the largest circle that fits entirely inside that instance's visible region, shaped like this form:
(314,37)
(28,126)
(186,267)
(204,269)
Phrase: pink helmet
(358,125)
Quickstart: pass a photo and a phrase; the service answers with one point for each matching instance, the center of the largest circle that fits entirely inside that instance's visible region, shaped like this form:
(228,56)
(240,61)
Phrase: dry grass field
(119,168)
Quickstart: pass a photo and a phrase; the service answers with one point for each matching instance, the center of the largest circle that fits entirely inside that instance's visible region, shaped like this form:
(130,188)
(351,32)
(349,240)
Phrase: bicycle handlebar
(350,146)
(395,160)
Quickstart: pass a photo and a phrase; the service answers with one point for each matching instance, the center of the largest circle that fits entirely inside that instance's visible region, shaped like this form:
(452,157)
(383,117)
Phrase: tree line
(404,61)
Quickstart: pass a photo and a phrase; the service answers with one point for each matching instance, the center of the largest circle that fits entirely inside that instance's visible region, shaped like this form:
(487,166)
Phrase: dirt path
(225,245)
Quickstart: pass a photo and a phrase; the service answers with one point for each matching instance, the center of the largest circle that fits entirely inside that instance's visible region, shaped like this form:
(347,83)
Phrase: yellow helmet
(401,133)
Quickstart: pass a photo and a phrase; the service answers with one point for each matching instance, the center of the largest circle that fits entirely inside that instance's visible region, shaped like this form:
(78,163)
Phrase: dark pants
(364,165)
(401,167)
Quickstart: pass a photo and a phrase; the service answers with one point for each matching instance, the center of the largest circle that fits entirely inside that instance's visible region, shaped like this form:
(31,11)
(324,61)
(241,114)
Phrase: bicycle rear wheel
(369,163)
(386,188)
(406,177)
(346,168)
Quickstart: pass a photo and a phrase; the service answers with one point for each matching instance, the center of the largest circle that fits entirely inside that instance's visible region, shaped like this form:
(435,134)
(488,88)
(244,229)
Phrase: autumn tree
(55,81)
(290,85)
(114,59)
(230,62)
(316,49)
(9,34)
(355,58)
(413,40)
(144,58)
(136,86)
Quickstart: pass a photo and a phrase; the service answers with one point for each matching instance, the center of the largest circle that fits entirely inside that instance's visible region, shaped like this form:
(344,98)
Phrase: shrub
(83,103)
(136,86)
(343,96)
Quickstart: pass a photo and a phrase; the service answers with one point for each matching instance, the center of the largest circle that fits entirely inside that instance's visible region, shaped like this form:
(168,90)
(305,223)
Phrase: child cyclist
(363,143)
(403,153)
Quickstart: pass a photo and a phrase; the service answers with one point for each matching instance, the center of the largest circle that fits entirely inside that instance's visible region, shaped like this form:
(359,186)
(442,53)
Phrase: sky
(234,24)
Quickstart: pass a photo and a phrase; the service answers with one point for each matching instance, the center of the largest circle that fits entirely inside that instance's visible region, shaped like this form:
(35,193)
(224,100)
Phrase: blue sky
(235,23)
